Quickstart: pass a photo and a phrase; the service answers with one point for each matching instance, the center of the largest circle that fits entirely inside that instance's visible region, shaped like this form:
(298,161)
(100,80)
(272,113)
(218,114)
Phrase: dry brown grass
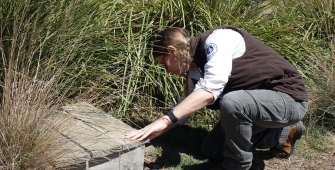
(35,52)
(28,129)
(29,99)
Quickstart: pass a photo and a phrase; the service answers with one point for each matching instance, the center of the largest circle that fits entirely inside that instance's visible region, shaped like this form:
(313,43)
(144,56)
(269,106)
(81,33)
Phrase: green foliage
(121,75)
(316,61)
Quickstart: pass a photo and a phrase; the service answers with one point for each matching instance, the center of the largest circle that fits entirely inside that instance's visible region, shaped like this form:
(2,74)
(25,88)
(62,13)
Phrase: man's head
(171,49)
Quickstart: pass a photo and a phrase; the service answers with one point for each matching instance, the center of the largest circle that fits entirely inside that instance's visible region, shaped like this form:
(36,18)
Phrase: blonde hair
(177,37)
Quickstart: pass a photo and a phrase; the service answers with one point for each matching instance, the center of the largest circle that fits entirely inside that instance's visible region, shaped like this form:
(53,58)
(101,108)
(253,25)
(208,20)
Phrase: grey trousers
(251,119)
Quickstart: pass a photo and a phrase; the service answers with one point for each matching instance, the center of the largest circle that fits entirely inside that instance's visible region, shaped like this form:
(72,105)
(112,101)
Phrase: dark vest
(259,68)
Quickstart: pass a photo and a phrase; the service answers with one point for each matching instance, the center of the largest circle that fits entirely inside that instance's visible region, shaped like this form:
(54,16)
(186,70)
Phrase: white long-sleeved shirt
(222,46)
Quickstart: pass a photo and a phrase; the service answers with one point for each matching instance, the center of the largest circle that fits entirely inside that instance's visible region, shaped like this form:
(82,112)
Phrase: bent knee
(236,104)
(229,104)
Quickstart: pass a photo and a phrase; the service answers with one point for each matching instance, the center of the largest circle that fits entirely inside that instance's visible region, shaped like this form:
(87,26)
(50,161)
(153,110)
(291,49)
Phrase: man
(261,96)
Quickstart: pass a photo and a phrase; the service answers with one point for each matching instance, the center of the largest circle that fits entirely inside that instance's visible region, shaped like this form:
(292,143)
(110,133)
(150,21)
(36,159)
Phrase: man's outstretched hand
(151,131)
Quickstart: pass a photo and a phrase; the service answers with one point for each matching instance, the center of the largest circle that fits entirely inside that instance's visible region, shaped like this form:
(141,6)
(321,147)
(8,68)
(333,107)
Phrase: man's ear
(172,49)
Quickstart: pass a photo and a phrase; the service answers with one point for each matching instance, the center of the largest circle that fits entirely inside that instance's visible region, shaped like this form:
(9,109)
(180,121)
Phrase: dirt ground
(317,161)
(172,147)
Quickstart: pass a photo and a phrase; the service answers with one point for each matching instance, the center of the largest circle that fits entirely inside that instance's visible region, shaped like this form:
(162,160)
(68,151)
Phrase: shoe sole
(299,133)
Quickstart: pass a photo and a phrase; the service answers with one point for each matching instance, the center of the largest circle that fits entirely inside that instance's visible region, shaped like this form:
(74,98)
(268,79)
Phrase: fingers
(144,136)
(137,135)
(131,134)
(154,128)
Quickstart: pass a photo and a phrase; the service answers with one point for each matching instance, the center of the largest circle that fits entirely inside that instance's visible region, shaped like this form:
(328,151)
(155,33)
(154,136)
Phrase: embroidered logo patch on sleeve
(210,50)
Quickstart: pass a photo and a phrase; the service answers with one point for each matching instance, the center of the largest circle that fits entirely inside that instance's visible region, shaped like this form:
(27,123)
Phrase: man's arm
(192,103)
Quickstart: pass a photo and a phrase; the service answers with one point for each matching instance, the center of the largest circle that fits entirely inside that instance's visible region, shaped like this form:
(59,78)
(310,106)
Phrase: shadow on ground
(186,140)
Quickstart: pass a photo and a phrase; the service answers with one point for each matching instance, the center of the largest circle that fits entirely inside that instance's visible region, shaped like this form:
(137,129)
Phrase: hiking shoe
(287,150)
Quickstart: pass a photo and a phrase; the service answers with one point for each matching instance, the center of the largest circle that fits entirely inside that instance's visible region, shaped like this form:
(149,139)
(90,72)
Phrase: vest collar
(193,46)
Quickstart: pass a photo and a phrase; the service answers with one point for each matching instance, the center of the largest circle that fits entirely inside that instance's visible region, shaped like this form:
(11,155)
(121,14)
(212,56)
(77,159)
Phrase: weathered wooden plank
(101,138)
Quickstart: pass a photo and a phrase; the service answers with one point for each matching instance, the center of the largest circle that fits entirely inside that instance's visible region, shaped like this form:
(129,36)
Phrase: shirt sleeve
(221,47)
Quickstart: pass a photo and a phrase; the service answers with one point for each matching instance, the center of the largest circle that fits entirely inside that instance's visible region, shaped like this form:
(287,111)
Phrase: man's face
(170,62)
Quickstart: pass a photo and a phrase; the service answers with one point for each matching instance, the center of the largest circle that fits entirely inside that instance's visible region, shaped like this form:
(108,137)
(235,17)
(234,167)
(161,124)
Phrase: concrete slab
(97,141)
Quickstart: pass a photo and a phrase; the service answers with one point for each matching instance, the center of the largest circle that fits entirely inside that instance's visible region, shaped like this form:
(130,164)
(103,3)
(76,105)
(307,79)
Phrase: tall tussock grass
(321,89)
(38,41)
(317,65)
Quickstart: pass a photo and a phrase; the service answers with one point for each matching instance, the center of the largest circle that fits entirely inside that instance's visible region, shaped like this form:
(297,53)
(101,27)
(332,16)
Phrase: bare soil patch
(316,160)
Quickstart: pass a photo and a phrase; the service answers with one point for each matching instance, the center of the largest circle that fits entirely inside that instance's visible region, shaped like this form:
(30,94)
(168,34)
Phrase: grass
(55,52)
(37,45)
(316,138)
